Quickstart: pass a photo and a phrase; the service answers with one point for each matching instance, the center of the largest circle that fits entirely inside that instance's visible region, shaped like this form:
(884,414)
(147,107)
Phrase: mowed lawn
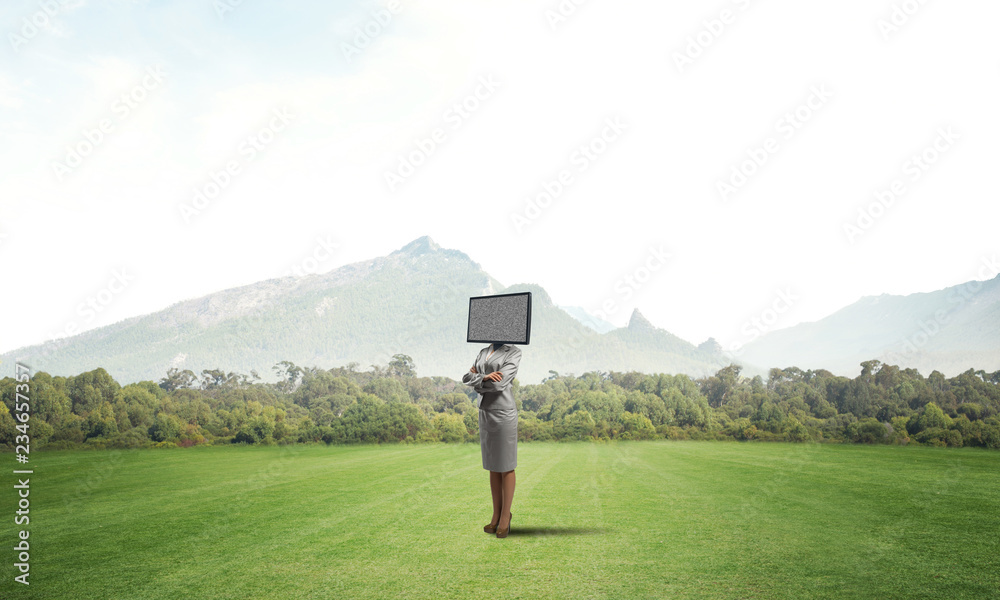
(621,520)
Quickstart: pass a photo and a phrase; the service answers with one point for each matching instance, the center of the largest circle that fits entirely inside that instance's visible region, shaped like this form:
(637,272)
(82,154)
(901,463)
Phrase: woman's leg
(497,491)
(508,496)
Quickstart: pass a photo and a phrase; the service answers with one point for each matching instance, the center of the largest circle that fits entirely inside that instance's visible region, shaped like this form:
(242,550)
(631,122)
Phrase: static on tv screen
(502,318)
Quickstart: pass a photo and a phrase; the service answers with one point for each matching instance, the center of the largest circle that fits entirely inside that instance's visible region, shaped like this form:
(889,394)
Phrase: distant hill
(413,301)
(949,330)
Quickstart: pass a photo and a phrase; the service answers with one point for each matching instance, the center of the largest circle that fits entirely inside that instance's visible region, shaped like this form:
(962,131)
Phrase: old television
(504,318)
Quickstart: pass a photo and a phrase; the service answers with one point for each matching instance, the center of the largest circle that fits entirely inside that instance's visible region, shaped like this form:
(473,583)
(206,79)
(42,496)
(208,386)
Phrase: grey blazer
(495,395)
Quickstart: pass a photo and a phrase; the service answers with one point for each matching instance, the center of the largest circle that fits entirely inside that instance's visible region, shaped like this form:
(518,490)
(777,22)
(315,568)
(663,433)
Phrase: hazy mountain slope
(413,301)
(596,323)
(950,330)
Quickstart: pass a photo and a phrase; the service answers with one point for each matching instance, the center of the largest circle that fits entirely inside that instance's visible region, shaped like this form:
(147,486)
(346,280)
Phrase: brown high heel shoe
(491,528)
(502,533)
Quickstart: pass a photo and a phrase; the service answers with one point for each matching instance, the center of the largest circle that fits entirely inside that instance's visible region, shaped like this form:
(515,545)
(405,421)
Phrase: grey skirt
(498,439)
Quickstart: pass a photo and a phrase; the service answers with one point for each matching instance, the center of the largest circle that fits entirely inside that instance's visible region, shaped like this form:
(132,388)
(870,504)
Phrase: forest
(392,404)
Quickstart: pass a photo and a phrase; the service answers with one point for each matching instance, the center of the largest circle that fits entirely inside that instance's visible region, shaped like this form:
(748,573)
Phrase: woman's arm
(472,378)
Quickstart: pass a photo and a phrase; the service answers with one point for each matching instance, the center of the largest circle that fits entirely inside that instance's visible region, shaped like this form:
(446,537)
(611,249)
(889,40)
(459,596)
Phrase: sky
(709,163)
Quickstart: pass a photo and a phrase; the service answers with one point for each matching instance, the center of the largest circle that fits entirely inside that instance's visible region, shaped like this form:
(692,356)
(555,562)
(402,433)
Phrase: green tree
(8,427)
(796,431)
(88,390)
(577,426)
(719,388)
(101,422)
(449,427)
(402,365)
(868,431)
(257,429)
(289,375)
(177,379)
(636,427)
(387,389)
(742,429)
(49,400)
(165,427)
(931,417)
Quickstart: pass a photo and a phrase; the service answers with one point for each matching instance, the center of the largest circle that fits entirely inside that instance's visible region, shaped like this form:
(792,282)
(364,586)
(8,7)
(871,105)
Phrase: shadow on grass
(547,531)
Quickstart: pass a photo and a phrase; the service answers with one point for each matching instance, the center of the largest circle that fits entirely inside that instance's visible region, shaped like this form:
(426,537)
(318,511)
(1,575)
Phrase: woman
(491,376)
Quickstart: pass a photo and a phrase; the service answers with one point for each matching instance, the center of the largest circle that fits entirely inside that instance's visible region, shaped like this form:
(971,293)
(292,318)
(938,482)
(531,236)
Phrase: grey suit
(495,395)
(497,410)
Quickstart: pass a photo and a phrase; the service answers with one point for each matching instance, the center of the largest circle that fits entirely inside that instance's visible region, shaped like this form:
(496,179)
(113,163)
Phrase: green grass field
(620,520)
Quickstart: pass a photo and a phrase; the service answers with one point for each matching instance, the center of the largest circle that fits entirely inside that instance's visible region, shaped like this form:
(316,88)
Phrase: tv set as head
(504,318)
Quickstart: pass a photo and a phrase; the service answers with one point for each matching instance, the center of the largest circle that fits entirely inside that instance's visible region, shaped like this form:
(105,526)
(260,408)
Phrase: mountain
(949,330)
(414,301)
(596,323)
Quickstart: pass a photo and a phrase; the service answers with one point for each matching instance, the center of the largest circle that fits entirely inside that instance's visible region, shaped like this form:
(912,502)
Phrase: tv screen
(502,318)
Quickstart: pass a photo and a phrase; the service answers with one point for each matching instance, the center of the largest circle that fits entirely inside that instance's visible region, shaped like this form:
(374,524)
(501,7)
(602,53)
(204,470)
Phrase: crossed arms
(496,381)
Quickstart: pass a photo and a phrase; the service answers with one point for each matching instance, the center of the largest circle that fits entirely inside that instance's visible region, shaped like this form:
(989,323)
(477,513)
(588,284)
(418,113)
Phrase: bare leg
(497,491)
(508,497)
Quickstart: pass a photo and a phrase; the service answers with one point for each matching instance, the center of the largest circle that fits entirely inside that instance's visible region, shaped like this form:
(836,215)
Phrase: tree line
(390,404)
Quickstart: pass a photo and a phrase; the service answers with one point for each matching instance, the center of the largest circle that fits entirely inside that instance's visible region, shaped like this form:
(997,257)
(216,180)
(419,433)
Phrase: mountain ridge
(949,330)
(413,301)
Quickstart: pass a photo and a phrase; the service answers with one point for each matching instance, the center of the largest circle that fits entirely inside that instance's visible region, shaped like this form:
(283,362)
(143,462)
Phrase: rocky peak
(637,322)
(421,245)
(711,346)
